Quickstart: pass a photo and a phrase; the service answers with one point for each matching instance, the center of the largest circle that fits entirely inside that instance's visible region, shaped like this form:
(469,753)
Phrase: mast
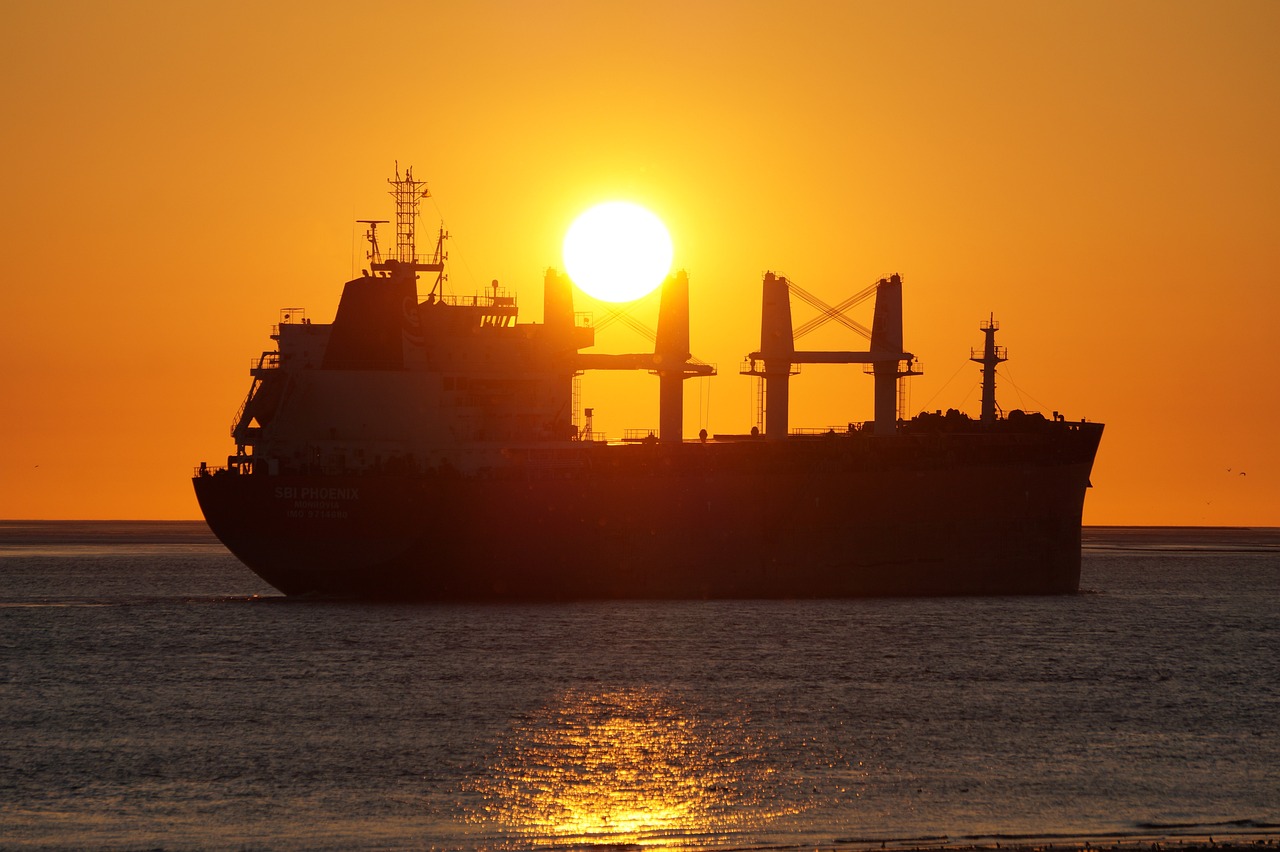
(991,356)
(375,254)
(408,194)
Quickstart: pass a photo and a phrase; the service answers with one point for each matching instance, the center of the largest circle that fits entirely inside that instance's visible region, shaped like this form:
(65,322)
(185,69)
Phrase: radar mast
(408,194)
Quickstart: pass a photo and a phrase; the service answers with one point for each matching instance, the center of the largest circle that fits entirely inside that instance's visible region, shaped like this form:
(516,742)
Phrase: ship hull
(933,514)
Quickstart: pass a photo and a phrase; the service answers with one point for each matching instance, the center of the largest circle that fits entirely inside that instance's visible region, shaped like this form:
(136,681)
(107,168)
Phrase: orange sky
(1102,176)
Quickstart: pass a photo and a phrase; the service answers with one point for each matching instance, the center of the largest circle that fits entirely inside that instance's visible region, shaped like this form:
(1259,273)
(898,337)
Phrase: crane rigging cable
(623,314)
(826,312)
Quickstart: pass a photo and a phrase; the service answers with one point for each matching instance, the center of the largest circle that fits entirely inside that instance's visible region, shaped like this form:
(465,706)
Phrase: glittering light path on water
(632,766)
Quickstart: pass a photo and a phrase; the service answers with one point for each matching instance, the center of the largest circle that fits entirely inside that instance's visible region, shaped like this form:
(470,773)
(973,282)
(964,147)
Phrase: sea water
(156,694)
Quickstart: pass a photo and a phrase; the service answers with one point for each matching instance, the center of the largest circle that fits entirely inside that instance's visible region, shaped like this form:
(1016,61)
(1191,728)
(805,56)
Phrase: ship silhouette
(426,447)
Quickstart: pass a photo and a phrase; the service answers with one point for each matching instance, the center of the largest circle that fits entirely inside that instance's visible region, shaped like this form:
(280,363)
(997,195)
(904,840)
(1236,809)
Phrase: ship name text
(289,492)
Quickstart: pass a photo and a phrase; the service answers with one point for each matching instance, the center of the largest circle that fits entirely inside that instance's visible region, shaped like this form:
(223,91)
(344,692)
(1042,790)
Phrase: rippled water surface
(157,694)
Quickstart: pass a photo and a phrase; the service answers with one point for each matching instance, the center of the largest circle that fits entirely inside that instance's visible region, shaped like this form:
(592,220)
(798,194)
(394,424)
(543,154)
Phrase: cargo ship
(428,446)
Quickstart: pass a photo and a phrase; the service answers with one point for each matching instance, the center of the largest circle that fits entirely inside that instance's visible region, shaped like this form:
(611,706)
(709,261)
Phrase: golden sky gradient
(1102,176)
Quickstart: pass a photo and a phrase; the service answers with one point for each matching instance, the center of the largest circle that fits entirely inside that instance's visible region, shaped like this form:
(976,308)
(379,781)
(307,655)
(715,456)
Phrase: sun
(617,251)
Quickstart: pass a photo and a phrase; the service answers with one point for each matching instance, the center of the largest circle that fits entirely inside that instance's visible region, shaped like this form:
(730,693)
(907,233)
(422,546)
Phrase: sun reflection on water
(633,766)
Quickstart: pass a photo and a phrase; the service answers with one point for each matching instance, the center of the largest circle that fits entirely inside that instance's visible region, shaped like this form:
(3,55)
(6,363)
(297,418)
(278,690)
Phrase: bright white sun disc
(617,251)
